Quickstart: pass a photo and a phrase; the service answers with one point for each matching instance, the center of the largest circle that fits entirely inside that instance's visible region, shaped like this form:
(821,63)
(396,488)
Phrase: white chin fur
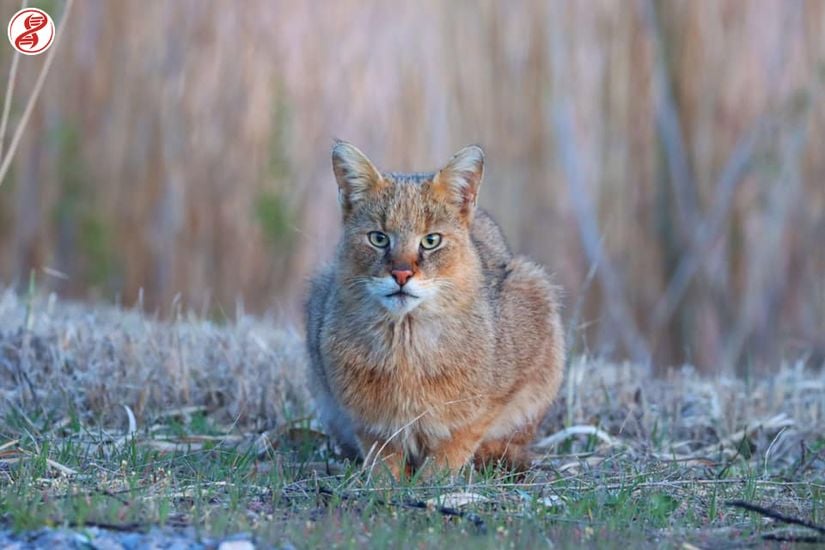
(382,289)
(400,305)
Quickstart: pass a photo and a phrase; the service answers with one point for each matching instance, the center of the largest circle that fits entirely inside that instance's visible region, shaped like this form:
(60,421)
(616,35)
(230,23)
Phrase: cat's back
(491,247)
(315,311)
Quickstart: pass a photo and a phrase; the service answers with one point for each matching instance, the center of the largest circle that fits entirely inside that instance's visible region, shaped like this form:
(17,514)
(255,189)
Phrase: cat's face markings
(406,234)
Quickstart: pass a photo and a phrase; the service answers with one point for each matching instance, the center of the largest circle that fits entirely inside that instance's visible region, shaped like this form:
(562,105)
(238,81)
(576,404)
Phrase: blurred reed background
(665,159)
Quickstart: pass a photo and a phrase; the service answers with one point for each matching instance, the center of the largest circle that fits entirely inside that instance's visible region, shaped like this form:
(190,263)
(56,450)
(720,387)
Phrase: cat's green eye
(431,241)
(378,239)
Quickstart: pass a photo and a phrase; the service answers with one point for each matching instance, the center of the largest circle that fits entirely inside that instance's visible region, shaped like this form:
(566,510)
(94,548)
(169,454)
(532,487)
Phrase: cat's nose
(401,276)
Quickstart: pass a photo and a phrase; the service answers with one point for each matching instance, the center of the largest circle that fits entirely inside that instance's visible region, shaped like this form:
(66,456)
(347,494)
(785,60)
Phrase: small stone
(236,545)
(106,542)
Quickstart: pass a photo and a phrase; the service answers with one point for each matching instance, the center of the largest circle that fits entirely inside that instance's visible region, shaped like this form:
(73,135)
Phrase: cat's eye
(431,241)
(378,239)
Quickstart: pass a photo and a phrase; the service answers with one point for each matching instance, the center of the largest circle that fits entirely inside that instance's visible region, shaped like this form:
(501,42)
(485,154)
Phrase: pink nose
(401,276)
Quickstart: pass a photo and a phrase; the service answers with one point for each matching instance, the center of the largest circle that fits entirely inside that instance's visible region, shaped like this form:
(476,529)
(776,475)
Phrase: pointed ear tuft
(356,175)
(458,182)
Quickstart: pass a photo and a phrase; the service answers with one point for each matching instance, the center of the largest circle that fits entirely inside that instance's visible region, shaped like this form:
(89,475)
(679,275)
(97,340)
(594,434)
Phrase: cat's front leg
(452,453)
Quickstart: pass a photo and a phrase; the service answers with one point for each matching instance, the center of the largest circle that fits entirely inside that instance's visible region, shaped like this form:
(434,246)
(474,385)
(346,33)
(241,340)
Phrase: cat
(429,341)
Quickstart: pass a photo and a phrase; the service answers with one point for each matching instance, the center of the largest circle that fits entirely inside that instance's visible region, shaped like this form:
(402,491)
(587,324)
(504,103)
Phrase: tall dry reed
(663,158)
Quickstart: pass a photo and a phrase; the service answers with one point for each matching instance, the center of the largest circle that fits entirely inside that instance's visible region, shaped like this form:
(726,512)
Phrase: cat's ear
(458,182)
(357,177)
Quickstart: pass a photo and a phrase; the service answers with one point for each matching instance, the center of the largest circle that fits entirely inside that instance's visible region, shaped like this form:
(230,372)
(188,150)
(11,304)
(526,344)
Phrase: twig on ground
(804,539)
(120,527)
(473,518)
(773,514)
(562,435)
(65,470)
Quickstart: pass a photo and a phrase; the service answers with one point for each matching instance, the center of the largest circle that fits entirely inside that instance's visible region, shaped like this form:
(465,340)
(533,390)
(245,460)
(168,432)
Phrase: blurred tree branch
(708,229)
(586,218)
(670,127)
(698,232)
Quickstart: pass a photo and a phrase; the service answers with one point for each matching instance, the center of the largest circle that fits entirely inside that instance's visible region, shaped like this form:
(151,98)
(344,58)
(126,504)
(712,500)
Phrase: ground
(119,429)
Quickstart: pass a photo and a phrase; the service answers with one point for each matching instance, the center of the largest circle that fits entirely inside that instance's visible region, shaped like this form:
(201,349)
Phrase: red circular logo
(31,31)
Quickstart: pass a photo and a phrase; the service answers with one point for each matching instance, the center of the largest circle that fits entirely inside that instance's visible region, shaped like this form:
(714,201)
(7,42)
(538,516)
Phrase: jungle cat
(429,341)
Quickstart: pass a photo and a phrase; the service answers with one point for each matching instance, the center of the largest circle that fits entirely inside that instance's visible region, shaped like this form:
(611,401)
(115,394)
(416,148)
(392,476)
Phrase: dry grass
(73,359)
(219,440)
(61,357)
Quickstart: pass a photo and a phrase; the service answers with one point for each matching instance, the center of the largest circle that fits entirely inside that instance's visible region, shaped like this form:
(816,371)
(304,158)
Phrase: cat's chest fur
(405,376)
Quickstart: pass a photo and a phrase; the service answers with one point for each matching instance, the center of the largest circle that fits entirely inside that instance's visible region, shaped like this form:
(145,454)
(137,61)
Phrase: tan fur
(469,368)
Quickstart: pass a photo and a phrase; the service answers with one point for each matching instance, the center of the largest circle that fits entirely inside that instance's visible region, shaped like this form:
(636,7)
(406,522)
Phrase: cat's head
(407,236)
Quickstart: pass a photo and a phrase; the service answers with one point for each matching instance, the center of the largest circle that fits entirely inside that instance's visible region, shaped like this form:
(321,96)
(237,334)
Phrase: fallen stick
(475,519)
(773,514)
